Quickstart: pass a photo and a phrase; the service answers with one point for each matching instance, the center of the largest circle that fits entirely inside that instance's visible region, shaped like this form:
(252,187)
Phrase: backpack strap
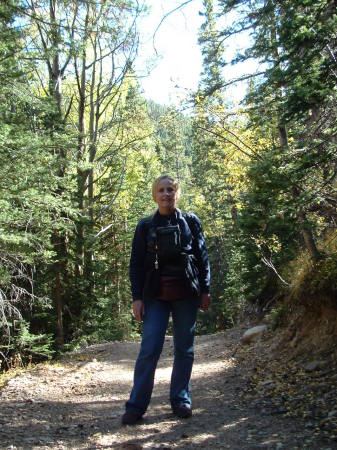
(191,223)
(147,227)
(147,224)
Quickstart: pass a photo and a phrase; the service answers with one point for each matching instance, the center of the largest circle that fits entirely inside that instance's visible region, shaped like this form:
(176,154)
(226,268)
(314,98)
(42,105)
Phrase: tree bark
(308,238)
(81,146)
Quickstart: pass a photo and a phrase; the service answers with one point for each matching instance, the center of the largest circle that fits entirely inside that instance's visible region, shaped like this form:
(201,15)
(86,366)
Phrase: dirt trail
(78,403)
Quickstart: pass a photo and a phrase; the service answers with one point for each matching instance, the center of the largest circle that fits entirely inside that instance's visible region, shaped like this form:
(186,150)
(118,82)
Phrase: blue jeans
(155,321)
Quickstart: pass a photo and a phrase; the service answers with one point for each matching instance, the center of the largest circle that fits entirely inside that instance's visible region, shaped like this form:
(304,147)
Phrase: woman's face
(165,195)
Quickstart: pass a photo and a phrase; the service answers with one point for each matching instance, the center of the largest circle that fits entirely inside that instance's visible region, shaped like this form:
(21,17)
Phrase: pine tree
(211,149)
(278,208)
(31,207)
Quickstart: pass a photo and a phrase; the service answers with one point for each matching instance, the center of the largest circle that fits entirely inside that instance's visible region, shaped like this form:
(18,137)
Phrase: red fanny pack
(172,288)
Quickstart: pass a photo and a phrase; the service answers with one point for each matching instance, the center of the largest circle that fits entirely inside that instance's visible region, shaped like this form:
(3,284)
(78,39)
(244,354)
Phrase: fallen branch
(269,264)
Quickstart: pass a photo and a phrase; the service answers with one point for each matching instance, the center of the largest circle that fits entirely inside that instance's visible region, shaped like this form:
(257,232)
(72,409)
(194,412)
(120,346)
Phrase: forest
(80,146)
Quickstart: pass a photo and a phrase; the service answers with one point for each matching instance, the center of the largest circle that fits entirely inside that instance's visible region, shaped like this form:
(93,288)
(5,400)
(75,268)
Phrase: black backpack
(167,246)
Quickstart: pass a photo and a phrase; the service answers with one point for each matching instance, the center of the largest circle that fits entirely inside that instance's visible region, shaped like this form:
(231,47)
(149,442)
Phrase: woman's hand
(138,310)
(205,301)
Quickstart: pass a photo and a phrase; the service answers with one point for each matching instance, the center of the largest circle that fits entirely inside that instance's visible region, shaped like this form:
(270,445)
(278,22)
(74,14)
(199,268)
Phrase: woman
(169,272)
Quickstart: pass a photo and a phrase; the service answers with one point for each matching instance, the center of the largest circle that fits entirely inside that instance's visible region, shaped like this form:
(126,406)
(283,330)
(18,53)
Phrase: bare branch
(269,264)
(164,18)
(224,138)
(69,108)
(107,207)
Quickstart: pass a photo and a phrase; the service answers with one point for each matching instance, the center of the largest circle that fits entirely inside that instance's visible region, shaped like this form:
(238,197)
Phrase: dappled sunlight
(200,369)
(204,437)
(163,373)
(235,423)
(211,367)
(81,406)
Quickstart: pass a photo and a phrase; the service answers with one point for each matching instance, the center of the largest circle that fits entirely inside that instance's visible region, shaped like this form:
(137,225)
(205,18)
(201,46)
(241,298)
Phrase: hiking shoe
(183,411)
(131,418)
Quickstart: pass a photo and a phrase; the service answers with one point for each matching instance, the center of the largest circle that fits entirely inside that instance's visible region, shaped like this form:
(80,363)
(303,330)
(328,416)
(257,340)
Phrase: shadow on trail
(221,420)
(97,425)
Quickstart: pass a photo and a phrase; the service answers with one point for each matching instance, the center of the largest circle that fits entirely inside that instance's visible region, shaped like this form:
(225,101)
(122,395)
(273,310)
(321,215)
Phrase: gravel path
(78,403)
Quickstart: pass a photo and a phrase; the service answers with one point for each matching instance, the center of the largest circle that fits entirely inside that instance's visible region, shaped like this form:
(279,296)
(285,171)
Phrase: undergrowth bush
(320,280)
(277,316)
(310,285)
(19,347)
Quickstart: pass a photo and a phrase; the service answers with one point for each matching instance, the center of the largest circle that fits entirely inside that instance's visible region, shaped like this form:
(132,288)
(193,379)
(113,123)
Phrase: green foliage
(277,316)
(173,147)
(20,347)
(39,346)
(238,289)
(278,196)
(80,147)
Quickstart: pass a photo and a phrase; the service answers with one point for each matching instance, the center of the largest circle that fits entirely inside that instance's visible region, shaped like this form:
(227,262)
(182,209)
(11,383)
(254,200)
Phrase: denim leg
(155,322)
(184,314)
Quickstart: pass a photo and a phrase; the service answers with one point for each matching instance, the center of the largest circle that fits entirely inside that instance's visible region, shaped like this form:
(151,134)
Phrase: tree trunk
(57,293)
(59,241)
(308,237)
(81,146)
(93,105)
